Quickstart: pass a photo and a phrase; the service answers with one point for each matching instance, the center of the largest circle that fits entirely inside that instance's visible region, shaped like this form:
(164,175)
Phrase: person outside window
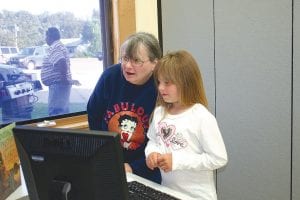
(56,74)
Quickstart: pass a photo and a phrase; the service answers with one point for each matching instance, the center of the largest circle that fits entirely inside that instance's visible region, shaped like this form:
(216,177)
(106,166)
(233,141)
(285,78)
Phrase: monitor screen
(71,164)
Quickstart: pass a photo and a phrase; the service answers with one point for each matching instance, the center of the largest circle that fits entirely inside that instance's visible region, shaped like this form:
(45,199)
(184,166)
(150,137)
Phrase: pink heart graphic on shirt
(167,131)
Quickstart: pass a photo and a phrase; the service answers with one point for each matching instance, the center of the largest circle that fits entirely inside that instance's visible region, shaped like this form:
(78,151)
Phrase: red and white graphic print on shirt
(170,137)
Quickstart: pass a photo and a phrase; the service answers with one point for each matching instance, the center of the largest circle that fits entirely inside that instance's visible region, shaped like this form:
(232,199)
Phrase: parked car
(6,52)
(29,57)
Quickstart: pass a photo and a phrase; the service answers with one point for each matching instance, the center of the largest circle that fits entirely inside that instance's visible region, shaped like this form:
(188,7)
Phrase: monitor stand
(60,190)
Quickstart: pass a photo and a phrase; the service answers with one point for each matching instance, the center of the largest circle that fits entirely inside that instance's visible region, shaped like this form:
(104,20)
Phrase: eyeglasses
(135,62)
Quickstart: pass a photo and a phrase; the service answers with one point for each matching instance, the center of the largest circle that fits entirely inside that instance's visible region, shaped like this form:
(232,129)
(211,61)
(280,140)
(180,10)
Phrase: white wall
(245,52)
(146,16)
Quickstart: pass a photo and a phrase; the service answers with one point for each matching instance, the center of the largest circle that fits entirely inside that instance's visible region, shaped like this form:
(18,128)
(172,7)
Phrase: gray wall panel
(178,25)
(253,62)
(296,103)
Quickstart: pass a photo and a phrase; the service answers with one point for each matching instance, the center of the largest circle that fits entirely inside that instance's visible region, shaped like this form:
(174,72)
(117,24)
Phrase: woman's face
(139,69)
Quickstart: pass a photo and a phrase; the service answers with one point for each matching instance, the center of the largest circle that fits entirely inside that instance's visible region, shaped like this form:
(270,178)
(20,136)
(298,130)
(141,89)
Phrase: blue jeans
(58,98)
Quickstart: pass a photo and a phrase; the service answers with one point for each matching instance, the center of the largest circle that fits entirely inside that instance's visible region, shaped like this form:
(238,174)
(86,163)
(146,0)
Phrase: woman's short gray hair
(148,40)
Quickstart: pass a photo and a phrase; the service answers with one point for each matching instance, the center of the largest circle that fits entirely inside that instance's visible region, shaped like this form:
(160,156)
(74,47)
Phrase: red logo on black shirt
(130,122)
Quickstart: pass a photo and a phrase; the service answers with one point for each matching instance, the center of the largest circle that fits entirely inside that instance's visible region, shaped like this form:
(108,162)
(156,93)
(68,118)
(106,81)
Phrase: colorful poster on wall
(10,178)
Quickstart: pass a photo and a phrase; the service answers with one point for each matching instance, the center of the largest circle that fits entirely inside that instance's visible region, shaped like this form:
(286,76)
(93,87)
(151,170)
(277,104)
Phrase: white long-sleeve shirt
(194,139)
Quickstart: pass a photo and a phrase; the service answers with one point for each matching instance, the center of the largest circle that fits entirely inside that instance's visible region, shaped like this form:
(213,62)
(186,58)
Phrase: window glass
(13,50)
(5,50)
(23,26)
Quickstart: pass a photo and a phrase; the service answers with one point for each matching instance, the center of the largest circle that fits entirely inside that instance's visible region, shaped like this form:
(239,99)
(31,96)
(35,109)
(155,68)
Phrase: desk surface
(21,193)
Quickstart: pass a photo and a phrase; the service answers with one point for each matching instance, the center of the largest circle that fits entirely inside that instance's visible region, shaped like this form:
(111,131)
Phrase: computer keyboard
(139,191)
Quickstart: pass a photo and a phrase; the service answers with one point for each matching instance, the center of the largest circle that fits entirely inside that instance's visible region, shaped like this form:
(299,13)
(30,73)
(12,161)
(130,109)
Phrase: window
(23,26)
(13,50)
(5,50)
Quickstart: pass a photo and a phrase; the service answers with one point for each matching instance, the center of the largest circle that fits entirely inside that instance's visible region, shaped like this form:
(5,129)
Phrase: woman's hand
(127,168)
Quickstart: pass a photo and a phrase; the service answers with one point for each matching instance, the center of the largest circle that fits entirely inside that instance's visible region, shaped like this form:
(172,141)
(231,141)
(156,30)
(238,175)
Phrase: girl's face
(139,69)
(168,91)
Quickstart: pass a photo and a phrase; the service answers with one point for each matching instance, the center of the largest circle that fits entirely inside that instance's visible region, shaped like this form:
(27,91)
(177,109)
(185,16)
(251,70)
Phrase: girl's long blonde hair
(181,69)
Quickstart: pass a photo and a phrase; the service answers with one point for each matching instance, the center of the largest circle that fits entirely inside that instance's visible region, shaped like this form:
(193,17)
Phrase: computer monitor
(71,164)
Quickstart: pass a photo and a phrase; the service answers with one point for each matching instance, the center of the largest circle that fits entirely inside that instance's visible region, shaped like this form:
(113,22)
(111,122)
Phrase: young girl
(184,139)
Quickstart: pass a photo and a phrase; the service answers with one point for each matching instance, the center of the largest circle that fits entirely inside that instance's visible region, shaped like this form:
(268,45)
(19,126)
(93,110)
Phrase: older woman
(124,99)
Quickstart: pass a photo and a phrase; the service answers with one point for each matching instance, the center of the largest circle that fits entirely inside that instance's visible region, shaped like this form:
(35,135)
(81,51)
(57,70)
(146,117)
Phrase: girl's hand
(164,162)
(151,160)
